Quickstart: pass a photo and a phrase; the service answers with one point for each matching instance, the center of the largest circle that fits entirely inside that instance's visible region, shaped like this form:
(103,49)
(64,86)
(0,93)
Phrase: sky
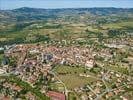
(13,4)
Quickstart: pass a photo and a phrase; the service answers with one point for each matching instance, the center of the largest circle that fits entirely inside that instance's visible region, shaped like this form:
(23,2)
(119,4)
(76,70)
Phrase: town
(65,52)
(33,71)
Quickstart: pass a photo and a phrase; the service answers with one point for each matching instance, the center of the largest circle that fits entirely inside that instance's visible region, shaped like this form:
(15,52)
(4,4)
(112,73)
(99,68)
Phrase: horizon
(65,8)
(60,4)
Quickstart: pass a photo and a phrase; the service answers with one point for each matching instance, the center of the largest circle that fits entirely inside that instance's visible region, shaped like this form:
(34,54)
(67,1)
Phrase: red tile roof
(6,98)
(56,95)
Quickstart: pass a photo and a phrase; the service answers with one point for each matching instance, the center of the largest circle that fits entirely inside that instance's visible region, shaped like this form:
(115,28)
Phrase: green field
(1,56)
(120,69)
(73,81)
(119,25)
(69,69)
(70,76)
(57,87)
(72,96)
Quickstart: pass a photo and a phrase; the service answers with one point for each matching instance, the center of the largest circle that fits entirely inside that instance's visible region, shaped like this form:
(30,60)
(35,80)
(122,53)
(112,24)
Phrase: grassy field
(57,87)
(1,56)
(73,81)
(118,25)
(12,34)
(70,76)
(120,69)
(72,96)
(69,69)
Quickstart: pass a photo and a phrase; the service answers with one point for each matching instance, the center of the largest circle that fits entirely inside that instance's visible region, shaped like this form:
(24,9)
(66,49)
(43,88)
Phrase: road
(66,90)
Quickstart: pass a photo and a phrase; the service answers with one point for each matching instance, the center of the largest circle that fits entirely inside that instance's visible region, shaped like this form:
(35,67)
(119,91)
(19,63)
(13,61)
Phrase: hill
(26,13)
(31,25)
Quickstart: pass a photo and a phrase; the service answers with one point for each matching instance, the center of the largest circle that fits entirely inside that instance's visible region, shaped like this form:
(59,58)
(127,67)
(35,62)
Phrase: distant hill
(26,13)
(91,10)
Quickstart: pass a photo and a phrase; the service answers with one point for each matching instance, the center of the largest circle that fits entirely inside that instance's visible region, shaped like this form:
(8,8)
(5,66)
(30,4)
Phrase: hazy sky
(12,4)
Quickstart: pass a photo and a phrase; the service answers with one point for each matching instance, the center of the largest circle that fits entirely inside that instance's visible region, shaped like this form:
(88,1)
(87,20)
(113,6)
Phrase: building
(56,95)
(5,61)
(89,64)
(1,49)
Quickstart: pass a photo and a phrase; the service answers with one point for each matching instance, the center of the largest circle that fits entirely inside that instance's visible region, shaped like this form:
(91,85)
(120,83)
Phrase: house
(6,98)
(2,71)
(17,88)
(63,61)
(33,51)
(109,95)
(56,95)
(123,98)
(5,61)
(1,50)
(30,96)
(84,97)
(47,58)
(89,64)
